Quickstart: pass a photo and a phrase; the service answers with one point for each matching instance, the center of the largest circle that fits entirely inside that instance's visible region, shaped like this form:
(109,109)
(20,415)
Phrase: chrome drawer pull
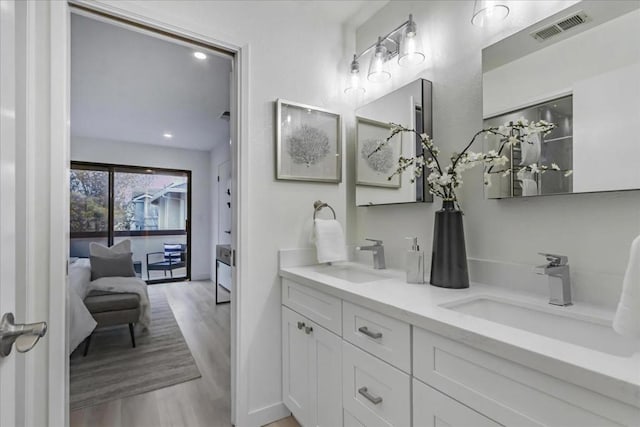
(300,325)
(371,398)
(367,332)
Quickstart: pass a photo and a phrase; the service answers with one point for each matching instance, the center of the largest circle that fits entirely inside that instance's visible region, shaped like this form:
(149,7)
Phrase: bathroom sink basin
(553,322)
(350,273)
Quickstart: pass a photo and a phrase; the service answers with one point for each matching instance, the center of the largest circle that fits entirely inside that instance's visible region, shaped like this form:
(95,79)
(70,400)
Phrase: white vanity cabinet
(358,367)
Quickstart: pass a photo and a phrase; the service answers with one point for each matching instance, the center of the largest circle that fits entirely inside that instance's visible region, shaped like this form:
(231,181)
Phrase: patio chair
(173,257)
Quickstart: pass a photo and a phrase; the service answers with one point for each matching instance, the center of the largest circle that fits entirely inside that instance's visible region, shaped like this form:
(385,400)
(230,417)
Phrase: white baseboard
(268,414)
(200,276)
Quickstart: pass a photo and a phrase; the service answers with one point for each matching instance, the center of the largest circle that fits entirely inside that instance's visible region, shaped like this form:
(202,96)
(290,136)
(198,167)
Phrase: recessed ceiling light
(200,55)
(167,135)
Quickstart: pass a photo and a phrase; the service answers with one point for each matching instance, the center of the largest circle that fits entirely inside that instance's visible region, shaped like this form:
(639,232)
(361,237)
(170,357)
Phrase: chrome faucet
(378,253)
(559,281)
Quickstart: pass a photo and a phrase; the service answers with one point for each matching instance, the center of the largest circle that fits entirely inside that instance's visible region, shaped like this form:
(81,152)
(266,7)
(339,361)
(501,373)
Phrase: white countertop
(617,377)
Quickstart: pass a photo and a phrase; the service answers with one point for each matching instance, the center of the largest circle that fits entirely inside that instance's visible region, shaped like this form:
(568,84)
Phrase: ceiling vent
(560,26)
(225,116)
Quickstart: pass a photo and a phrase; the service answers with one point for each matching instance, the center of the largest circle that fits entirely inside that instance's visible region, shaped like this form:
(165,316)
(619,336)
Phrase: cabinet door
(434,409)
(296,381)
(326,377)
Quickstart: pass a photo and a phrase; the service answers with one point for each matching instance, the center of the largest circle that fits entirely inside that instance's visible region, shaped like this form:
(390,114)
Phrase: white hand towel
(329,239)
(627,319)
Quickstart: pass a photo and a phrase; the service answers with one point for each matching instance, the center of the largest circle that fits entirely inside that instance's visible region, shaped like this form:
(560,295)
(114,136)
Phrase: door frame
(58,372)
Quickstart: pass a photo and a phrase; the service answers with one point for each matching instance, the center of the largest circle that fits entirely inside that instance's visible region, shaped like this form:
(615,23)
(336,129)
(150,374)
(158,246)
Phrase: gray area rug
(114,370)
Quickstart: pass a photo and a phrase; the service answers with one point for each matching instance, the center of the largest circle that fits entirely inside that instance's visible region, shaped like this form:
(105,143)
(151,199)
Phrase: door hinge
(233,257)
(218,178)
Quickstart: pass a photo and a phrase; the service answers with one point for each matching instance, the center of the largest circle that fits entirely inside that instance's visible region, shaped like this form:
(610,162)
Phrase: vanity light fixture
(487,12)
(402,42)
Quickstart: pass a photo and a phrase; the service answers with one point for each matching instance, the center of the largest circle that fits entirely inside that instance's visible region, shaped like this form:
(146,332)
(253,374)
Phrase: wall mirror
(409,106)
(578,69)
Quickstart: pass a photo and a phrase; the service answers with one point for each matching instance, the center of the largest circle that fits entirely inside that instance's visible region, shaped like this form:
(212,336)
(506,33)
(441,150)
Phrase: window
(151,207)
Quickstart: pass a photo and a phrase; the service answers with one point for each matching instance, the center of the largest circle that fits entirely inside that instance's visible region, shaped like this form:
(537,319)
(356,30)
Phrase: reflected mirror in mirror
(409,106)
(553,150)
(579,70)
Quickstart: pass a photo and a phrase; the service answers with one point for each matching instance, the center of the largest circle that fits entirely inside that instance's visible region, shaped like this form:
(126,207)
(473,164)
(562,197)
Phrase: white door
(18,404)
(10,368)
(326,377)
(296,381)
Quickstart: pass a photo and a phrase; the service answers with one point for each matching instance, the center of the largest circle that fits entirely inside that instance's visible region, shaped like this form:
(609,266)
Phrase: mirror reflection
(578,69)
(409,106)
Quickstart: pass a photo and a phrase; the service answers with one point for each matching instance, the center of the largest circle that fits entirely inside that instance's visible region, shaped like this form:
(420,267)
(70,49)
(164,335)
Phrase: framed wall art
(308,143)
(373,167)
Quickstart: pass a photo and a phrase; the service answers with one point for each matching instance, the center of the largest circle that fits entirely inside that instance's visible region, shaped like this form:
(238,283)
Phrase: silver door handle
(367,332)
(26,335)
(371,398)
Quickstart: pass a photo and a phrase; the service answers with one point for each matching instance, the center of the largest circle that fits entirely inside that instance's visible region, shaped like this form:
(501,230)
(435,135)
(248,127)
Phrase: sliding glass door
(149,206)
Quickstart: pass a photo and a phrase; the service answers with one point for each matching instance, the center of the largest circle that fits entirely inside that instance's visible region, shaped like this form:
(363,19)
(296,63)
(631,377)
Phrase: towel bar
(318,205)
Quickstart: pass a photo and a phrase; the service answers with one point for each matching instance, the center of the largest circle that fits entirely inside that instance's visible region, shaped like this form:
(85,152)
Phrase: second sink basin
(350,273)
(590,332)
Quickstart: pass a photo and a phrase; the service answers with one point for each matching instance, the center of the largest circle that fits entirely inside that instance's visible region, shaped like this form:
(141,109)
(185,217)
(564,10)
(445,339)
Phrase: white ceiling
(130,86)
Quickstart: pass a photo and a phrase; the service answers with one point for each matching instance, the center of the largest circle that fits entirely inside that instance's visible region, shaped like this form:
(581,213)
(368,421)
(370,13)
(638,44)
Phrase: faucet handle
(377,242)
(555,260)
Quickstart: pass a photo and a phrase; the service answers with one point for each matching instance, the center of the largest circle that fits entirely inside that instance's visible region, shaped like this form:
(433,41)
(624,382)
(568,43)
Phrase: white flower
(500,161)
(506,173)
(568,173)
(444,180)
(534,167)
(492,153)
(555,166)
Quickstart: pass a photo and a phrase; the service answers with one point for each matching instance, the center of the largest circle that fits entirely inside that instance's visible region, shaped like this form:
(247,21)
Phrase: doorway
(113,233)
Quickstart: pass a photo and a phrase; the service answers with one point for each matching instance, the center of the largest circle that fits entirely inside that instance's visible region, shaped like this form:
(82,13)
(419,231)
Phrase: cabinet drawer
(380,335)
(374,392)
(433,409)
(324,309)
(510,393)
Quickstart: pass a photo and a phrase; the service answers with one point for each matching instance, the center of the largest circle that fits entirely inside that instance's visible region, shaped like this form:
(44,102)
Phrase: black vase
(449,257)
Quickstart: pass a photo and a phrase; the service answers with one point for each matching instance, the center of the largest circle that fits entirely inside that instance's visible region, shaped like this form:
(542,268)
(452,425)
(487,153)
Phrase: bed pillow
(97,249)
(119,265)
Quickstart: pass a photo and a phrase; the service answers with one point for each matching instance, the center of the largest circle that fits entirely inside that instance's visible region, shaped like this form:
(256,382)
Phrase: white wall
(124,153)
(296,53)
(594,230)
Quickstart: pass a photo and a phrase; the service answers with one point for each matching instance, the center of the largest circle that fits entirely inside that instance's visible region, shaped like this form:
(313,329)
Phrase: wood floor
(202,402)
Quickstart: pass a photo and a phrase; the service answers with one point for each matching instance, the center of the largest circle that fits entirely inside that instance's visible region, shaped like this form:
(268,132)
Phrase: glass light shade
(410,51)
(378,71)
(354,85)
(487,12)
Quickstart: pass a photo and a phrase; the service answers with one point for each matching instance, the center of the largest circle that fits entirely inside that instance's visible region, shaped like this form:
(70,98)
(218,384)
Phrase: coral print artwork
(376,160)
(308,143)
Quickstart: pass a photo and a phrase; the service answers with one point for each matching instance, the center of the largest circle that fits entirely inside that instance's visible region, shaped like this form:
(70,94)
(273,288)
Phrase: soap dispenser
(414,264)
